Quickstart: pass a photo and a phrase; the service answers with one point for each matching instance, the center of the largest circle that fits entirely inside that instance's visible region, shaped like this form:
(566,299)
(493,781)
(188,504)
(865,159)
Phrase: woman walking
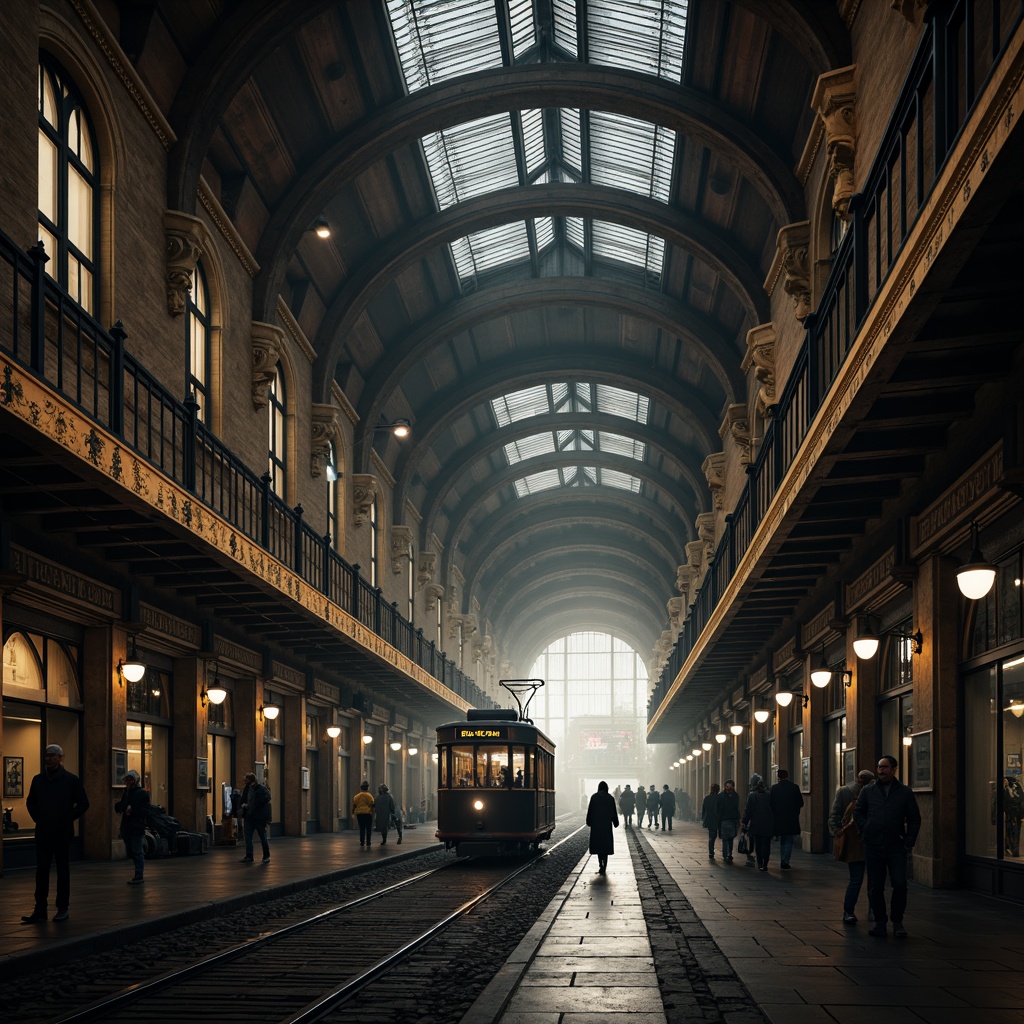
(709,818)
(602,818)
(761,822)
(383,809)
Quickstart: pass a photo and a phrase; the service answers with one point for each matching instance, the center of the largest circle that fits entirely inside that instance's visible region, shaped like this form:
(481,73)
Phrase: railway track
(306,970)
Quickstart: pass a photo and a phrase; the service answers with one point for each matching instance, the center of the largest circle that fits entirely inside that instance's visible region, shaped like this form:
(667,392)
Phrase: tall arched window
(331,473)
(374,537)
(68,180)
(277,451)
(410,580)
(197,343)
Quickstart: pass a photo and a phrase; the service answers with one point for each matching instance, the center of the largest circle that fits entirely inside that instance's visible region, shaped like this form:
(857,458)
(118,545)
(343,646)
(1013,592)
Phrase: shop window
(899,658)
(67,185)
(149,748)
(896,724)
(41,668)
(150,695)
(998,618)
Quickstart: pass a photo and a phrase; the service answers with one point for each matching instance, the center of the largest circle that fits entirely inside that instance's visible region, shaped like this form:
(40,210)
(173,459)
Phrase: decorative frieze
(325,429)
(364,490)
(184,243)
(267,344)
(761,355)
(835,101)
(792,245)
(816,629)
(870,583)
(401,548)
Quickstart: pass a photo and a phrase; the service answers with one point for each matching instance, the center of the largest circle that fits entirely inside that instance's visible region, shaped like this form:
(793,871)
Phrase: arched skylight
(440,41)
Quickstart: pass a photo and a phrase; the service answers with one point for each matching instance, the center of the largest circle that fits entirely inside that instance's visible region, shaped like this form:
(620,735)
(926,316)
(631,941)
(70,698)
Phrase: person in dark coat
(728,818)
(786,801)
(602,818)
(755,779)
(683,809)
(134,810)
(255,816)
(709,818)
(668,807)
(56,798)
(653,806)
(846,798)
(627,804)
(383,811)
(362,811)
(887,815)
(759,820)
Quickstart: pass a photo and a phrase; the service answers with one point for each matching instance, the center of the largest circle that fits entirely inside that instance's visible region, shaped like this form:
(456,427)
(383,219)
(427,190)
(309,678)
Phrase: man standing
(786,801)
(840,822)
(255,816)
(888,818)
(134,810)
(55,799)
(668,807)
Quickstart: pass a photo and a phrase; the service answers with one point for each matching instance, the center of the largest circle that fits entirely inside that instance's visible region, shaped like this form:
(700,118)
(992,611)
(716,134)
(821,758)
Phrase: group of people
(380,813)
(653,802)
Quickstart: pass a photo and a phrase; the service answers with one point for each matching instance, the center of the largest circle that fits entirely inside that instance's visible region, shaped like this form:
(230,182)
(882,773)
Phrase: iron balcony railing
(961,46)
(52,337)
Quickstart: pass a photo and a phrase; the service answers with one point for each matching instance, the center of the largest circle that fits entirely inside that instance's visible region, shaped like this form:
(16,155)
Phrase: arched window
(277,451)
(197,343)
(68,180)
(410,576)
(374,537)
(331,473)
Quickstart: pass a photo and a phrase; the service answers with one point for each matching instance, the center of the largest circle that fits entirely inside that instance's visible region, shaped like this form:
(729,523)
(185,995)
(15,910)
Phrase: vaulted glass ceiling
(442,39)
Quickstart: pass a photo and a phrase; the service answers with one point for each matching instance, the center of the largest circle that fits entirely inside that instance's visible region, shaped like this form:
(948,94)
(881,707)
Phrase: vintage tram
(495,783)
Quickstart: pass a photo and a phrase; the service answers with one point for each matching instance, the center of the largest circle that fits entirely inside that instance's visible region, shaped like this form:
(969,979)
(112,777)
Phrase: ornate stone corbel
(676,613)
(426,566)
(792,245)
(705,523)
(761,355)
(684,581)
(714,470)
(364,490)
(835,101)
(467,622)
(324,428)
(401,548)
(267,343)
(453,598)
(432,593)
(184,238)
(736,426)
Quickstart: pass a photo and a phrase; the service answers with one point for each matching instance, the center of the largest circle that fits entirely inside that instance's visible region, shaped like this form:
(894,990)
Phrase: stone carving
(835,101)
(714,470)
(467,622)
(706,531)
(426,566)
(401,548)
(324,428)
(364,490)
(761,355)
(684,581)
(792,243)
(432,593)
(676,613)
(184,246)
(737,427)
(695,554)
(267,343)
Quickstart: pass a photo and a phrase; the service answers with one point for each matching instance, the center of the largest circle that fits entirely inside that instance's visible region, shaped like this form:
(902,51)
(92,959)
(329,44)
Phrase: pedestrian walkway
(782,934)
(106,913)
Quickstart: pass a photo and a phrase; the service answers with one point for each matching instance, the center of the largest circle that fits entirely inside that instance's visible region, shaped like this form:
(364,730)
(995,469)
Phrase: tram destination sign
(490,732)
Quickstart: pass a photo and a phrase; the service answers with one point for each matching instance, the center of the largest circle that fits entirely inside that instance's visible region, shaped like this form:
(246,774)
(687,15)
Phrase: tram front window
(482,767)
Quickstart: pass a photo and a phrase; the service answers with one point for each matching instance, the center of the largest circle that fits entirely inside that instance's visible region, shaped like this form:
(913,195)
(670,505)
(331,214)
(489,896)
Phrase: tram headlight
(478,805)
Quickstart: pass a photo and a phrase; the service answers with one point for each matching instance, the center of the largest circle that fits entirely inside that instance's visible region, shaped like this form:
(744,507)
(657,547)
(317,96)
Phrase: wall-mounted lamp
(367,738)
(908,739)
(736,729)
(822,675)
(689,757)
(322,228)
(762,714)
(334,731)
(1016,707)
(395,745)
(847,677)
(696,751)
(131,668)
(400,428)
(413,751)
(785,697)
(706,746)
(866,642)
(720,737)
(215,694)
(976,576)
(269,711)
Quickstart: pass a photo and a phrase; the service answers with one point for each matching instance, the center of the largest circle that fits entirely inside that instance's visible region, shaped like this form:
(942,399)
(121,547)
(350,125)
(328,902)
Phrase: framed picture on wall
(921,762)
(849,764)
(202,773)
(260,771)
(14,777)
(805,775)
(118,767)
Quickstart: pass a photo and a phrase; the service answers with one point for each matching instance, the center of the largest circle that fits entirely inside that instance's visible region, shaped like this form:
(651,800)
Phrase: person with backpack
(255,816)
(848,845)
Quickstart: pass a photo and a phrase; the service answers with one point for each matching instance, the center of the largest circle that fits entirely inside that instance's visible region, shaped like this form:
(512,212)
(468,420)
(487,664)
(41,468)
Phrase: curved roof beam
(558,460)
(567,363)
(503,206)
(242,40)
(677,107)
(400,358)
(814,30)
(449,475)
(635,516)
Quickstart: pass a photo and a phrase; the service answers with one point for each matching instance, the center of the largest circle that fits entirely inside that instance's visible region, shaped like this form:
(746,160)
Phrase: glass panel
(565,25)
(620,481)
(630,154)
(61,678)
(47,99)
(619,402)
(1013,752)
(79,213)
(980,770)
(48,182)
(23,758)
(529,448)
(23,671)
(533,139)
(524,33)
(643,35)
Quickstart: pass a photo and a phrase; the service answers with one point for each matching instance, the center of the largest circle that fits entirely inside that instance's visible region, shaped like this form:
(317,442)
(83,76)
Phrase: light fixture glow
(762,715)
(689,757)
(216,693)
(736,729)
(976,576)
(822,675)
(784,698)
(395,745)
(131,668)
(865,647)
(908,741)
(706,745)
(322,228)
(478,805)
(334,731)
(696,751)
(269,711)
(414,750)
(720,737)
(367,738)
